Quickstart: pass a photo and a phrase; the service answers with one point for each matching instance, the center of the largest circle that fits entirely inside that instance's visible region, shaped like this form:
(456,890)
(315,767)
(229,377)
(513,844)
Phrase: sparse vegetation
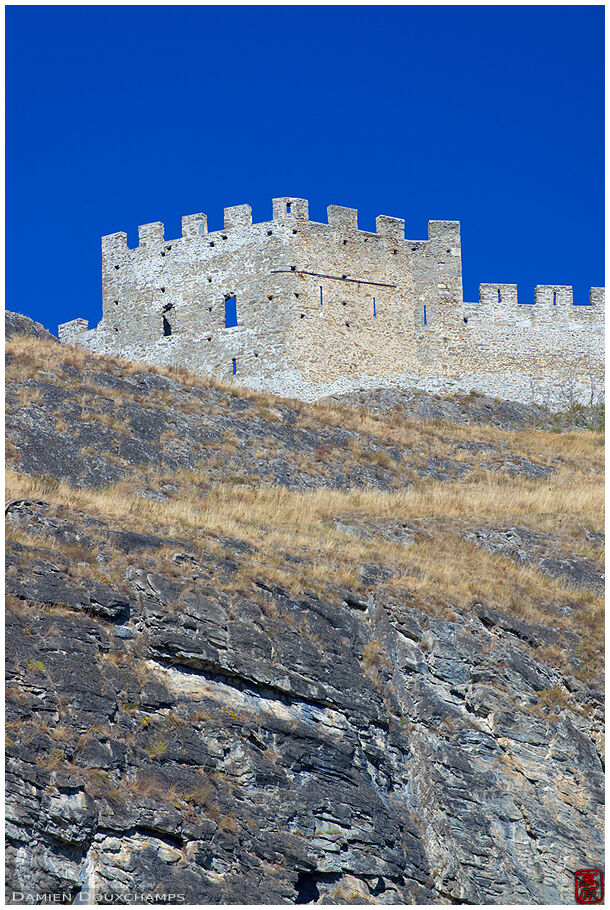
(261,613)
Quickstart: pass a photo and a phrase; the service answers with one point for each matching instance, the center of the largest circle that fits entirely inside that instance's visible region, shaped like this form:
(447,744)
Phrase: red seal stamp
(589,886)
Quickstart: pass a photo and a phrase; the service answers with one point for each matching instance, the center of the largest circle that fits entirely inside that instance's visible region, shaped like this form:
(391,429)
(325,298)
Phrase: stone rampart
(326,308)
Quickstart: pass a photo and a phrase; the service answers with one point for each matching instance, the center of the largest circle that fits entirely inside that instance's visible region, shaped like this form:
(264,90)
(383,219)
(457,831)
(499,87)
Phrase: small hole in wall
(212,243)
(413,249)
(209,281)
(210,338)
(255,354)
(344,242)
(288,207)
(168,248)
(270,297)
(269,233)
(347,324)
(466,320)
(302,315)
(344,276)
(296,295)
(163,252)
(293,268)
(394,251)
(293,231)
(163,290)
(230,312)
(234,362)
(116,328)
(116,302)
(344,302)
(210,309)
(116,266)
(224,236)
(448,251)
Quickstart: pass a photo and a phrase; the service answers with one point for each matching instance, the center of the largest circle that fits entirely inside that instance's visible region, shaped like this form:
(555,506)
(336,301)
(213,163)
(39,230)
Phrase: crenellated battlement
(306,308)
(554,297)
(286,209)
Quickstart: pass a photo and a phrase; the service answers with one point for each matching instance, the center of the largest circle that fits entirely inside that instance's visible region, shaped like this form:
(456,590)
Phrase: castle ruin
(305,309)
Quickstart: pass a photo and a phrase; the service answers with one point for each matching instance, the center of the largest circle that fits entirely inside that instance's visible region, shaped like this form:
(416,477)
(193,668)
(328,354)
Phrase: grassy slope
(294,538)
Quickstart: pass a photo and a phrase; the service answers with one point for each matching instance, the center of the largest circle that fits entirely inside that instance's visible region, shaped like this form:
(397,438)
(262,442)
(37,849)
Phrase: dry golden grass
(440,569)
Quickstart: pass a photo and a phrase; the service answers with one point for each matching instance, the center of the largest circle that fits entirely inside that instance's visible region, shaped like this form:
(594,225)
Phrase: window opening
(554,298)
(288,207)
(425,315)
(321,297)
(374,309)
(167,329)
(465,320)
(234,366)
(230,312)
(499,296)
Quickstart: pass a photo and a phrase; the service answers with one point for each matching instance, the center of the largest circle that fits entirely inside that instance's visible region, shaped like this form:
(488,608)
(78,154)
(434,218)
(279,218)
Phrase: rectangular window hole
(425,315)
(234,361)
(288,207)
(374,308)
(230,312)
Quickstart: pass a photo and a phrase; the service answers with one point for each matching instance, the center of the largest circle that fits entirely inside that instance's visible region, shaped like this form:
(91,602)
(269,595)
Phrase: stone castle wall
(327,308)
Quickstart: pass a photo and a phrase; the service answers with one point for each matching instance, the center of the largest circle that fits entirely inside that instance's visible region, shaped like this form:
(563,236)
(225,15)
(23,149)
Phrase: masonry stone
(328,308)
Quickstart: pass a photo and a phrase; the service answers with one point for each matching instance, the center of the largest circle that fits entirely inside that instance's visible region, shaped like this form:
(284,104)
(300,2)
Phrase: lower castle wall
(523,356)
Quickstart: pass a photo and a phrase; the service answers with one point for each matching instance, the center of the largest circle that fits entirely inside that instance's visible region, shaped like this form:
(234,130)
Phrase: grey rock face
(15,324)
(168,737)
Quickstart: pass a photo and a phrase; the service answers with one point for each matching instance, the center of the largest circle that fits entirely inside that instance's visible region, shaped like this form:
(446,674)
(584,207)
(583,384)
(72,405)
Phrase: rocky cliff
(267,652)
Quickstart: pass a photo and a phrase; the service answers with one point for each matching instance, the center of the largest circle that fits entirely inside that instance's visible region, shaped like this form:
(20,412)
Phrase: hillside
(262,651)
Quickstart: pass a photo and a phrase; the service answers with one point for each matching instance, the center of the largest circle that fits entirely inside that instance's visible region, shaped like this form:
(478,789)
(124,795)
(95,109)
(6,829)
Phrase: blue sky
(117,116)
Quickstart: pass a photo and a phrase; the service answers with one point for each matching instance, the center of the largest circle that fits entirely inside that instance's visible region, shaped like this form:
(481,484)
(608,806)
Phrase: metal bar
(377,284)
